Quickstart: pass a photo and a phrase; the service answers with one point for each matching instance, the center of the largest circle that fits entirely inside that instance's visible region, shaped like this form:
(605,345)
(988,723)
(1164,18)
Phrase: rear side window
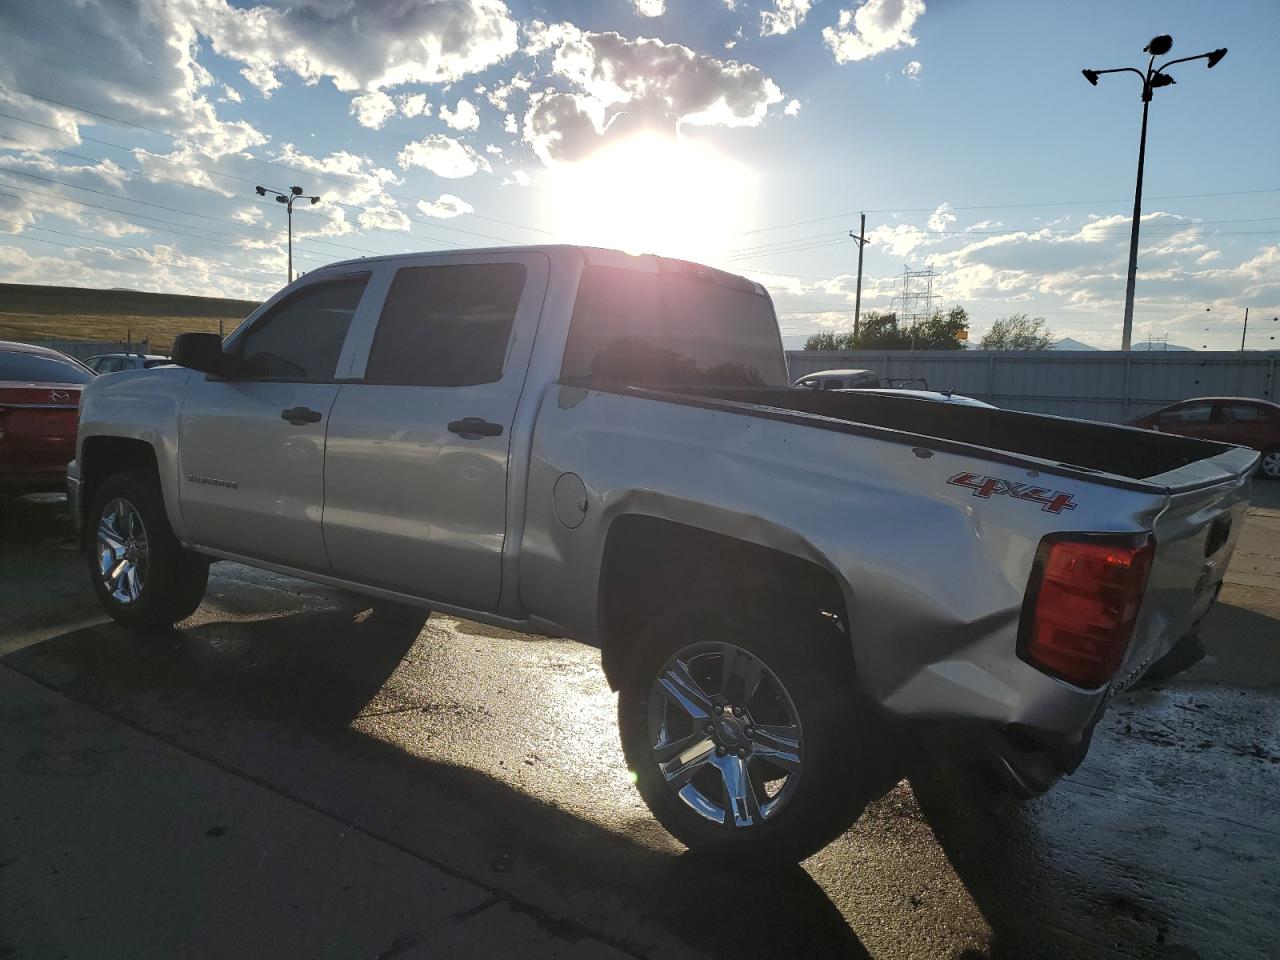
(301,338)
(661,330)
(446,326)
(1196,413)
(1241,413)
(33,368)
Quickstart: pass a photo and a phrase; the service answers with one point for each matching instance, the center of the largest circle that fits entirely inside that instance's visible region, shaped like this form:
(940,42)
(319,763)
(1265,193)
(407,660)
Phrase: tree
(822,341)
(941,331)
(881,331)
(1018,332)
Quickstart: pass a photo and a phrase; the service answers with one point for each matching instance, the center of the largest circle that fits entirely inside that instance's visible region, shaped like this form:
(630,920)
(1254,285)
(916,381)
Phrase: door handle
(473,428)
(300,415)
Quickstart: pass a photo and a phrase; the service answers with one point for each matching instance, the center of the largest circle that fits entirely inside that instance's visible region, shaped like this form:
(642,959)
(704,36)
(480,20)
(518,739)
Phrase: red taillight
(1081,605)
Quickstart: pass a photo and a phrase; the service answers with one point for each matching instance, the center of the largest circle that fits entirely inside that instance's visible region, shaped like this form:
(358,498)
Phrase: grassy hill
(35,312)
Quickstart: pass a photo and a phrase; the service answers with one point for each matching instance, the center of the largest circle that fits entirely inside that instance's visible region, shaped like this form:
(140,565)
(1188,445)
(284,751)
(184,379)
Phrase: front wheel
(745,733)
(1271,463)
(143,576)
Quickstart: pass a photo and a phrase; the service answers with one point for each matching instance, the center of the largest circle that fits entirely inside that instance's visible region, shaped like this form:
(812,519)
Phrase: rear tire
(143,576)
(803,750)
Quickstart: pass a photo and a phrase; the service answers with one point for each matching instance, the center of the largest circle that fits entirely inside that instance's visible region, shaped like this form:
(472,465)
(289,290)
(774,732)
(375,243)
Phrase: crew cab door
(251,446)
(415,472)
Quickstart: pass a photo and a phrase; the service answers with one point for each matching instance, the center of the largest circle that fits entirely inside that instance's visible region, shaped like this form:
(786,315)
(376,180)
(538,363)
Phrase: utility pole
(1245,330)
(295,193)
(861,241)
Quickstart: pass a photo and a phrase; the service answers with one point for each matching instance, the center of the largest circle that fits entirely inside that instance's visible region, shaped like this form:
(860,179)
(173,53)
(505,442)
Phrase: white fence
(1095,385)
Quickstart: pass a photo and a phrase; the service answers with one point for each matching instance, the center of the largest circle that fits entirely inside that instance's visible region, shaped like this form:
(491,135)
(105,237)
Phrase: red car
(39,413)
(1240,420)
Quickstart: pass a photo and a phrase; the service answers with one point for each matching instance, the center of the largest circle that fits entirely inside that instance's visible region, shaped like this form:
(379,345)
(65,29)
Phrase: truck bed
(1116,451)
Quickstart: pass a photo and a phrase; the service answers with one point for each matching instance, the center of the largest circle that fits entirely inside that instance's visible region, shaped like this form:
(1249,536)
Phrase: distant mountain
(1156,346)
(1068,343)
(794,341)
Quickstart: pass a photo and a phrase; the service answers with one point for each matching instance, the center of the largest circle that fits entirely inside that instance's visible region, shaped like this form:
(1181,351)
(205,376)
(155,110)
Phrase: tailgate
(1195,535)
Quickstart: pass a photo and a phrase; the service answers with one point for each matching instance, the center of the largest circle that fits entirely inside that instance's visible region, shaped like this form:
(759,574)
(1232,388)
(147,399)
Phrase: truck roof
(594,256)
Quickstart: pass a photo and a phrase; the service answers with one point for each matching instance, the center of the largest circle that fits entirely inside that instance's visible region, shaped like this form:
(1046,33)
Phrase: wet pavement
(384,791)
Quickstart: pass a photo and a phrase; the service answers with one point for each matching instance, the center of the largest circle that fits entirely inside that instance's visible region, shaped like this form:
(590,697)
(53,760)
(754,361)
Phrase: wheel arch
(647,557)
(103,456)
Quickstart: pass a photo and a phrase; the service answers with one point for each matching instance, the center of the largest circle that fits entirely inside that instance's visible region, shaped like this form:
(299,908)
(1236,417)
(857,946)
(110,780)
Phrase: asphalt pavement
(285,777)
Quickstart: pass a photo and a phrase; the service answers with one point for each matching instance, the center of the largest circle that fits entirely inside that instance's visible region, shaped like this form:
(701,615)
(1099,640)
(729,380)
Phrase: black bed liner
(1121,452)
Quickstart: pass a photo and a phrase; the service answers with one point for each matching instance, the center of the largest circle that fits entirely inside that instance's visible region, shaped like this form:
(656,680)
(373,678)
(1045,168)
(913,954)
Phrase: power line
(126,256)
(1012,206)
(155,177)
(323,177)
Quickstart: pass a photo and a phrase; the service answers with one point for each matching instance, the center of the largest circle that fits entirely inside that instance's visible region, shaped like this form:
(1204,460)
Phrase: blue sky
(747,134)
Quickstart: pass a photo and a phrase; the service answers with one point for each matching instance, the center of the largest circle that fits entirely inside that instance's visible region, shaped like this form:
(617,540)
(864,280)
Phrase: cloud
(447,207)
(912,70)
(942,217)
(876,26)
(518,178)
(358,46)
(785,16)
(464,116)
(619,85)
(792,108)
(443,156)
(501,94)
(649,8)
(414,105)
(898,240)
(140,66)
(230,94)
(372,109)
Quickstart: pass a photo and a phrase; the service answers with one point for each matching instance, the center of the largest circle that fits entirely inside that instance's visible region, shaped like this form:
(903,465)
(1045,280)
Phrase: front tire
(1270,466)
(143,576)
(746,732)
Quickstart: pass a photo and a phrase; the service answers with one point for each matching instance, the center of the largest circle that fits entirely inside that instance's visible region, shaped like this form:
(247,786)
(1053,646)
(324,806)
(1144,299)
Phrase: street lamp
(295,193)
(1154,78)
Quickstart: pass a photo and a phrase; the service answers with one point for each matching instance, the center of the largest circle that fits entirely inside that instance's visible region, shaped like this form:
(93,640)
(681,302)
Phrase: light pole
(295,193)
(1153,78)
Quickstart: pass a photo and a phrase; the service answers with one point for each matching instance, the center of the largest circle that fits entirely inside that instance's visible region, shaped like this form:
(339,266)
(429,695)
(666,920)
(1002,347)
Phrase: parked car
(1245,421)
(115,362)
(938,396)
(795,592)
(839,380)
(39,409)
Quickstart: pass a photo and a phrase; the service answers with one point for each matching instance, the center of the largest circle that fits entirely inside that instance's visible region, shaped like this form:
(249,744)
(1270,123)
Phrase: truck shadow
(275,699)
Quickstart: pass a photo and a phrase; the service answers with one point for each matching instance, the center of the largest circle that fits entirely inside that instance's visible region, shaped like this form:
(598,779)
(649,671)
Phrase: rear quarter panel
(933,572)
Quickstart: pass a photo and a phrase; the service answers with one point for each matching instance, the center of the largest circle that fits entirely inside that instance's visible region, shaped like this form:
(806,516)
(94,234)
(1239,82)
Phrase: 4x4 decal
(1051,501)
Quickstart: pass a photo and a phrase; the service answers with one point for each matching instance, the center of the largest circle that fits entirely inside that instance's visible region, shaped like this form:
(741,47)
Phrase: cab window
(446,325)
(301,338)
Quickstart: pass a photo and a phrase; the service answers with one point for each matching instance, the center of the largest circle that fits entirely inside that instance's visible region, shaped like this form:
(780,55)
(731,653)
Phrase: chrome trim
(748,732)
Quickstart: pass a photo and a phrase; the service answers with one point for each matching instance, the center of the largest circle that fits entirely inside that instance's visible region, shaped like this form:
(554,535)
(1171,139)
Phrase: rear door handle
(473,428)
(300,415)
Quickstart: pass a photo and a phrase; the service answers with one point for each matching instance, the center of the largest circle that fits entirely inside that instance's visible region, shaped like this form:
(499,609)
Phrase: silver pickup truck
(791,589)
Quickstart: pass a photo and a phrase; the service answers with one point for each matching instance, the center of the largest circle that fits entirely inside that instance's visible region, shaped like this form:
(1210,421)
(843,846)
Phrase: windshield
(665,330)
(34,368)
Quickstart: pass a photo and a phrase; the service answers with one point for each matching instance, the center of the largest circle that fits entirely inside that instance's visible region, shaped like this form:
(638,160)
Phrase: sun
(652,194)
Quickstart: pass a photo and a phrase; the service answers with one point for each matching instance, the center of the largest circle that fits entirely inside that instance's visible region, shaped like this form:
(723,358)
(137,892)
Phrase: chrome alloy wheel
(123,555)
(1271,464)
(725,734)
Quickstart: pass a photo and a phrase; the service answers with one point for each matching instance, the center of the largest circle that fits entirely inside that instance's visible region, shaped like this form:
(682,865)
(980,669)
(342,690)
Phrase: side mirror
(203,352)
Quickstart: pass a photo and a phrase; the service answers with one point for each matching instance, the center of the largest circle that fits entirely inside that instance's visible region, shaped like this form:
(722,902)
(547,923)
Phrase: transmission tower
(915,301)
